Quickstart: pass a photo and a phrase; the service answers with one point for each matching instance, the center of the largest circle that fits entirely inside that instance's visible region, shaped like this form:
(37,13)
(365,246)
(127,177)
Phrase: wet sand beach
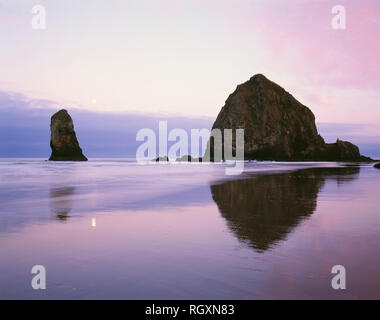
(111,229)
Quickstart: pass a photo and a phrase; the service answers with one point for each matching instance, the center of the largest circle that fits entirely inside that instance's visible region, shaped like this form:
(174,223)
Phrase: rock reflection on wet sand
(263,209)
(61,202)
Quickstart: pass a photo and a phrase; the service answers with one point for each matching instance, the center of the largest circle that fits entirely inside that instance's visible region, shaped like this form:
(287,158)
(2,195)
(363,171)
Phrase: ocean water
(115,229)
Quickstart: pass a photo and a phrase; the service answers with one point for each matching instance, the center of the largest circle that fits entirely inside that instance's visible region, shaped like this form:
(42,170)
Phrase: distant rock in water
(377,165)
(162,159)
(187,158)
(277,126)
(64,144)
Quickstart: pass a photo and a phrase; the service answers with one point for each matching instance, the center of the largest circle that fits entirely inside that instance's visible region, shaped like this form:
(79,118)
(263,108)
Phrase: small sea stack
(63,142)
(377,165)
(162,159)
(188,158)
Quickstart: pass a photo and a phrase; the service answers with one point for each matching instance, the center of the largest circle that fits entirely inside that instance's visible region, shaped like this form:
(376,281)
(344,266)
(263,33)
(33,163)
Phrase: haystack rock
(277,126)
(64,144)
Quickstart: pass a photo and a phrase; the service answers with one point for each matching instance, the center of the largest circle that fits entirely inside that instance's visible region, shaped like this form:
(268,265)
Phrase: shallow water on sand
(115,229)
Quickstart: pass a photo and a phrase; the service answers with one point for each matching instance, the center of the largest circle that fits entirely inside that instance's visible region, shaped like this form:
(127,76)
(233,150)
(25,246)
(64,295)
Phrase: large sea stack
(64,144)
(277,126)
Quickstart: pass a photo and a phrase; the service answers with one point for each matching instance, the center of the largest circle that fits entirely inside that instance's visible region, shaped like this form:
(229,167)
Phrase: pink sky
(185,57)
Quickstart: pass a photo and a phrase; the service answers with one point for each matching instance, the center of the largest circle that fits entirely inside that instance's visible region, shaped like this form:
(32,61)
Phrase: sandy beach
(114,229)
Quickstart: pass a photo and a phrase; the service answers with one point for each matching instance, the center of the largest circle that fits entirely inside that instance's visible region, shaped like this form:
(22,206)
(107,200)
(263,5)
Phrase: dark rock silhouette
(277,126)
(64,144)
(263,209)
(377,165)
(162,159)
(187,158)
